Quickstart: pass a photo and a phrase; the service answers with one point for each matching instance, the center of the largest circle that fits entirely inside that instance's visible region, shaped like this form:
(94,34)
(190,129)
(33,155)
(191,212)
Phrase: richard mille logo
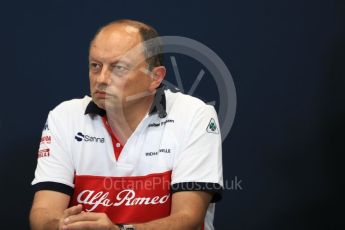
(148,154)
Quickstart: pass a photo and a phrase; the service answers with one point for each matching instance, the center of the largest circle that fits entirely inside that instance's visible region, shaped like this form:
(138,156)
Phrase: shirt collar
(158,106)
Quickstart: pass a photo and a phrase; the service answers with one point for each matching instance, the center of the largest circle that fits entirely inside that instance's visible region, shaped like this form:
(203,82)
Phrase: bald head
(139,32)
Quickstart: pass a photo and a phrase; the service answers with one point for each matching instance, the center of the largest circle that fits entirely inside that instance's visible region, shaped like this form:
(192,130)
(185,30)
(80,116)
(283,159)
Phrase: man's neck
(125,120)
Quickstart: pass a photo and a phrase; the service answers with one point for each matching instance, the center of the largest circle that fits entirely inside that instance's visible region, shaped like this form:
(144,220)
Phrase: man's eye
(120,69)
(95,66)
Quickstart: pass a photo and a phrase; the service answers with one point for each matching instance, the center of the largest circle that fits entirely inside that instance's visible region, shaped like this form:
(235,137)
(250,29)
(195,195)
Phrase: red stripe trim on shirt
(117,146)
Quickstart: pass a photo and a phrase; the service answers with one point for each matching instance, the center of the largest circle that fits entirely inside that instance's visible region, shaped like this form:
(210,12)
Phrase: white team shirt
(177,151)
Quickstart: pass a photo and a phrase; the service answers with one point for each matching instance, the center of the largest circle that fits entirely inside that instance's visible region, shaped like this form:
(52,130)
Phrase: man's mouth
(100,94)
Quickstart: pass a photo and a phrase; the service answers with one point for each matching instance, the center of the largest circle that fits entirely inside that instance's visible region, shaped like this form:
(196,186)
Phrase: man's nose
(104,77)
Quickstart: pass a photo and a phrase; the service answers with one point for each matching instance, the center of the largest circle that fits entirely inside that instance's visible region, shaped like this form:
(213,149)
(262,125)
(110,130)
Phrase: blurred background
(287,60)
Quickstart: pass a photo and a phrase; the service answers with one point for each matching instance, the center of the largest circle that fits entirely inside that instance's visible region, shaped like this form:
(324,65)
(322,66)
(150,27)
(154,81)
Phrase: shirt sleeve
(54,169)
(198,167)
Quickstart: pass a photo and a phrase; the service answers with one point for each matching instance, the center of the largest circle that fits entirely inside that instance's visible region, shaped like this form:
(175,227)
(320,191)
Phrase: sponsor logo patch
(43,153)
(212,127)
(148,154)
(125,197)
(162,123)
(87,138)
(46,139)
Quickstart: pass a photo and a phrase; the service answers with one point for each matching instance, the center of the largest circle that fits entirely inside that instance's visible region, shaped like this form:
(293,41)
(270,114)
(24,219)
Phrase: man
(134,156)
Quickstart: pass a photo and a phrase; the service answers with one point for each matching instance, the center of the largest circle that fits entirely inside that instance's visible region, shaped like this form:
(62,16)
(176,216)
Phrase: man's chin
(109,104)
(99,103)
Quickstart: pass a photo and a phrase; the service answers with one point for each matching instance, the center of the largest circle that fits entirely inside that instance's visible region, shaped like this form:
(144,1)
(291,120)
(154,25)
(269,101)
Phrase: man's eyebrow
(120,61)
(93,59)
(114,62)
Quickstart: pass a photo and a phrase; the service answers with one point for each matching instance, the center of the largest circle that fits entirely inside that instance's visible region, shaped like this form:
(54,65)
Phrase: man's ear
(158,74)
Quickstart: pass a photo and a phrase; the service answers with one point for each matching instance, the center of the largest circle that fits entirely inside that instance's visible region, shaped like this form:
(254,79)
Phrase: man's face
(117,68)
